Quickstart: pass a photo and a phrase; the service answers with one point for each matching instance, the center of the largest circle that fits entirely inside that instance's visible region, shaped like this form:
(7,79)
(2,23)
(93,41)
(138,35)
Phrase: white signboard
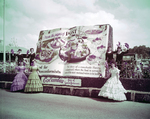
(61,81)
(76,51)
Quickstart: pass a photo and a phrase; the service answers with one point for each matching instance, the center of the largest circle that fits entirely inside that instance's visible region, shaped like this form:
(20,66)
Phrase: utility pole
(4,55)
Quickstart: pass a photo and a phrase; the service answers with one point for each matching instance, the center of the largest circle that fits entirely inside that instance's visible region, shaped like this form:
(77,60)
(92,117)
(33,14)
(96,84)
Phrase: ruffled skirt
(19,82)
(113,89)
(34,83)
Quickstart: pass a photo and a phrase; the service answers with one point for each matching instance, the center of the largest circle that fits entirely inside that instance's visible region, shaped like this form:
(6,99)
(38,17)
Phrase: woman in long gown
(113,88)
(34,83)
(20,79)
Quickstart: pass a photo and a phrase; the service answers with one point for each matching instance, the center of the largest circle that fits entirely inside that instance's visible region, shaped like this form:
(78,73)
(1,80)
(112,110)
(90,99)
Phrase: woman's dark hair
(119,48)
(12,50)
(19,50)
(22,62)
(108,48)
(113,62)
(31,49)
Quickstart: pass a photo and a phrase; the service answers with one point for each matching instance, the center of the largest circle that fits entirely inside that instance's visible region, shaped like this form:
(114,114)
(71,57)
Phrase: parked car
(145,63)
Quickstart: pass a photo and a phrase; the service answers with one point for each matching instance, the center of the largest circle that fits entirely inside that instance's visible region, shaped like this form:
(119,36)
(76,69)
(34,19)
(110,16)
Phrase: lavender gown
(20,80)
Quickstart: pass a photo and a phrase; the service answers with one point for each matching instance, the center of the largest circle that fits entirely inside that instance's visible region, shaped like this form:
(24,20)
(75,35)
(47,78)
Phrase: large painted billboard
(77,51)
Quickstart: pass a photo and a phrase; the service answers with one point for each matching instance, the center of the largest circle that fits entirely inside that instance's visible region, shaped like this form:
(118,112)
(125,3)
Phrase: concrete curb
(132,95)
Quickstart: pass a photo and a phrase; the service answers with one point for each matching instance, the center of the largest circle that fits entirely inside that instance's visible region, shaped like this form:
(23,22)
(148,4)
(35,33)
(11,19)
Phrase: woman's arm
(117,74)
(33,55)
(37,70)
(27,54)
(114,51)
(125,52)
(127,46)
(30,68)
(16,69)
(109,74)
(106,56)
(16,58)
(24,69)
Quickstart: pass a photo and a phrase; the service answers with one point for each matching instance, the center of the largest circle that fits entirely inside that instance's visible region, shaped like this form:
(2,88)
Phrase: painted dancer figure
(31,55)
(34,83)
(20,79)
(113,88)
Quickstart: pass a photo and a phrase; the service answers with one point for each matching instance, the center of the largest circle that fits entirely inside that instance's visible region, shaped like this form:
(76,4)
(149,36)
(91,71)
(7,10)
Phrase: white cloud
(27,24)
(79,3)
(25,19)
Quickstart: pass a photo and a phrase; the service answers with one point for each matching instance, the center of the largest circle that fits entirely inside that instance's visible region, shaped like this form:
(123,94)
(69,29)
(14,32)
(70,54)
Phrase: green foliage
(142,51)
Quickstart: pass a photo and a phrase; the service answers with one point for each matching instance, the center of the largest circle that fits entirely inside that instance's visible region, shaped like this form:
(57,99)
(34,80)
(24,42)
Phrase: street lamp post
(4,55)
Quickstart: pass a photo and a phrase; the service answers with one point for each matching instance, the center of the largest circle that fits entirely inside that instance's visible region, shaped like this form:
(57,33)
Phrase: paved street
(19,105)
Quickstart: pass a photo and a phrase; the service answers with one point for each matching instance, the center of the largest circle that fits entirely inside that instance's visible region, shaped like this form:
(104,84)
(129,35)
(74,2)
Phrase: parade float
(77,53)
(71,61)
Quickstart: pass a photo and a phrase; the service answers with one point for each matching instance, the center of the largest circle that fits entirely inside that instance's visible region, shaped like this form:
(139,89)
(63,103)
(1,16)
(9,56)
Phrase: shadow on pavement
(21,91)
(102,99)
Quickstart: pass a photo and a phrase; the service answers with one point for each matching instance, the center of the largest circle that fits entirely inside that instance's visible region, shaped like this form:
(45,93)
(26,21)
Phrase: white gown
(113,88)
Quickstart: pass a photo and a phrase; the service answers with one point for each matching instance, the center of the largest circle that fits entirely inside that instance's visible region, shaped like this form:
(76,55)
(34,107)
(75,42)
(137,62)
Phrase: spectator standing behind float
(12,63)
(109,58)
(119,55)
(109,55)
(20,79)
(138,70)
(31,55)
(19,56)
(34,83)
(113,88)
(13,56)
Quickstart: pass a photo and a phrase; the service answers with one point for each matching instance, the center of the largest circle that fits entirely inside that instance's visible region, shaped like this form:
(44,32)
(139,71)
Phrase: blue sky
(24,19)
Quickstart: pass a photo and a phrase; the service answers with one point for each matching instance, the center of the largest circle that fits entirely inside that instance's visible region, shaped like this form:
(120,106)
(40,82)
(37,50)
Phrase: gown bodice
(34,68)
(114,71)
(21,68)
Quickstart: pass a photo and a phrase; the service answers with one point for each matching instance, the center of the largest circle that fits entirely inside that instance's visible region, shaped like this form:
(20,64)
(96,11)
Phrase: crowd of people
(21,82)
(131,68)
(19,57)
(115,68)
(30,84)
(113,88)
